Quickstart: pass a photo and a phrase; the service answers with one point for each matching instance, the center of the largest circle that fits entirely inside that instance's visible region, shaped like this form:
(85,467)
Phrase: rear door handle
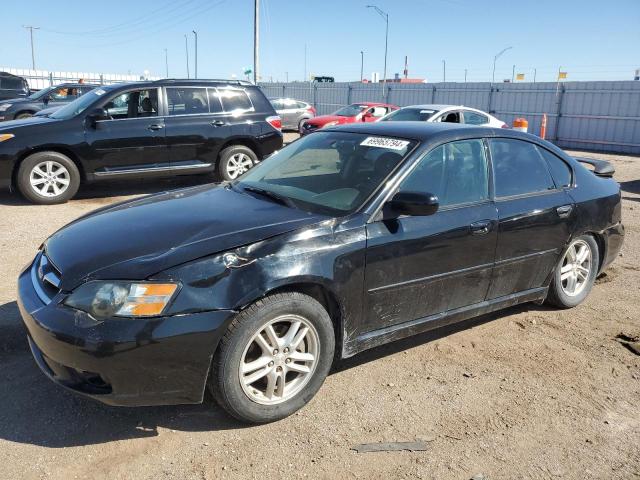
(155,126)
(564,211)
(217,123)
(481,227)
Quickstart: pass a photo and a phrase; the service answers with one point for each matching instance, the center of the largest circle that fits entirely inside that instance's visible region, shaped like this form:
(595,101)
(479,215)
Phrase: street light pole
(196,35)
(186,50)
(166,63)
(465,75)
(444,71)
(256,41)
(385,16)
(361,65)
(33,55)
(497,56)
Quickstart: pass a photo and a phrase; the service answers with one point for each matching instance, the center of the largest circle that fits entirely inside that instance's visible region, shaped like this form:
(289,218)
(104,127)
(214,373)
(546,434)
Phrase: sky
(589,39)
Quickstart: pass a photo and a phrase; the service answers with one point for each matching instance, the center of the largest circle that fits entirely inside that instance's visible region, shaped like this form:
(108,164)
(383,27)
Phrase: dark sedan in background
(344,240)
(59,95)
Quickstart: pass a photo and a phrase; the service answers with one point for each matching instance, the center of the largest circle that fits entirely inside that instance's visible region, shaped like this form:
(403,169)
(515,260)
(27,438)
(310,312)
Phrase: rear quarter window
(561,172)
(259,101)
(234,99)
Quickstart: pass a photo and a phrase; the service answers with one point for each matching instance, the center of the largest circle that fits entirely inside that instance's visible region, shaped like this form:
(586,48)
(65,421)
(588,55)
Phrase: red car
(356,112)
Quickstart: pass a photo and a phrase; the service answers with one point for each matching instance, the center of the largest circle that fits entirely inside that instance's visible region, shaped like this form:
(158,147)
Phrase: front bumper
(127,362)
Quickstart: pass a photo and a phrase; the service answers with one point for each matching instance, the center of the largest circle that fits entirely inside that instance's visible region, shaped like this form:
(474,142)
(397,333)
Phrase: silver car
(292,112)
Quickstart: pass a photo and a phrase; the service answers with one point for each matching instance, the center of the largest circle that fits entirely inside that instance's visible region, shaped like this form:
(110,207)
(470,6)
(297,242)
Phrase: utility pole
(465,75)
(286,76)
(497,56)
(256,42)
(535,71)
(196,35)
(166,63)
(186,50)
(385,16)
(513,74)
(361,65)
(33,55)
(305,62)
(444,71)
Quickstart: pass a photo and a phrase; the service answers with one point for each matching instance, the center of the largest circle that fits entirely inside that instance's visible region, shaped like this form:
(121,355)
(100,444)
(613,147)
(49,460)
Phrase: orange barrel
(520,124)
(543,126)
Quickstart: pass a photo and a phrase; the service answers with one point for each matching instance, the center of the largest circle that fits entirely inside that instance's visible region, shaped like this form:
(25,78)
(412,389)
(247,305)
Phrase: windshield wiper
(286,201)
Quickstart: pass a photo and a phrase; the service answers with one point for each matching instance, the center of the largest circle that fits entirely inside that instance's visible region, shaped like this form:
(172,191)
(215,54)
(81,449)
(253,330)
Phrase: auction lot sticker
(382,142)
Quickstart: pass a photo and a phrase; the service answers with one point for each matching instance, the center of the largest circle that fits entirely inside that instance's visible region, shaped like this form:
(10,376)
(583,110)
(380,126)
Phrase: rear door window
(187,101)
(519,168)
(473,118)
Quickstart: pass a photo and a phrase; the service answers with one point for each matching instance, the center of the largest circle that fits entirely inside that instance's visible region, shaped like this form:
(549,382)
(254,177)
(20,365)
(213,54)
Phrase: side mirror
(416,204)
(95,115)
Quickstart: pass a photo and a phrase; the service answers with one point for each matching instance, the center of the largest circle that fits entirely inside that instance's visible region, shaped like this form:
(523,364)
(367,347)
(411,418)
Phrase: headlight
(6,136)
(5,106)
(330,124)
(122,299)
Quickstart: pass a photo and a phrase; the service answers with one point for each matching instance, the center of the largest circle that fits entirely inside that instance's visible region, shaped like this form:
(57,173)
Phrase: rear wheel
(575,273)
(235,160)
(48,177)
(273,358)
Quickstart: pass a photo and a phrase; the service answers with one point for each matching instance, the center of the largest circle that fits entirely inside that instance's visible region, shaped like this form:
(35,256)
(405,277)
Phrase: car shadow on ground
(632,186)
(35,411)
(104,192)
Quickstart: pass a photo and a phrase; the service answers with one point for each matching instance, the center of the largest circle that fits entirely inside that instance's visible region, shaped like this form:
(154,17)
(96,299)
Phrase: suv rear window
(12,83)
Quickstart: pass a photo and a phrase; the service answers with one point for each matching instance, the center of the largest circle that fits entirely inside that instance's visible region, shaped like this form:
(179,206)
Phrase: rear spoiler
(601,168)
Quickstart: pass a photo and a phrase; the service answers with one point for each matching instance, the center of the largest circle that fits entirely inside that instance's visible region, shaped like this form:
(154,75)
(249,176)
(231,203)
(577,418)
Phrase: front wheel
(24,115)
(235,160)
(575,273)
(48,177)
(273,358)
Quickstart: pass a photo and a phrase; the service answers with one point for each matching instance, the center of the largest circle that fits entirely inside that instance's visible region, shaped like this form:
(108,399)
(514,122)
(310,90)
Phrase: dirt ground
(530,392)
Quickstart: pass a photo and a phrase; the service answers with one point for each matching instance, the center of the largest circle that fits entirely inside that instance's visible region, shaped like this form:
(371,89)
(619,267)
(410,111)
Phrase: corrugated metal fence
(601,116)
(38,79)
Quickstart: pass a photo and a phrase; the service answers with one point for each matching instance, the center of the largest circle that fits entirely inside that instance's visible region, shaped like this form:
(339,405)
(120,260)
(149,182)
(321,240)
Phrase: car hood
(136,239)
(15,101)
(324,119)
(24,122)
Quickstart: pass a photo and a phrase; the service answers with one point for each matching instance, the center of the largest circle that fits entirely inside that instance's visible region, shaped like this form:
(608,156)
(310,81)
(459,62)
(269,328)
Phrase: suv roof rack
(204,80)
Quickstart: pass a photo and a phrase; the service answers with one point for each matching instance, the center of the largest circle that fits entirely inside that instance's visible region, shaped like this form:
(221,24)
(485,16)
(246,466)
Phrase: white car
(444,113)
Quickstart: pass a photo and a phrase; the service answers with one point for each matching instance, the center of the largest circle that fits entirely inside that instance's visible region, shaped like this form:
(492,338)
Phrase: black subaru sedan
(344,240)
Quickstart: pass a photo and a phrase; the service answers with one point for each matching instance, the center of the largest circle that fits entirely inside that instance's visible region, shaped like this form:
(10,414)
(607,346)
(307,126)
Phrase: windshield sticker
(99,91)
(391,143)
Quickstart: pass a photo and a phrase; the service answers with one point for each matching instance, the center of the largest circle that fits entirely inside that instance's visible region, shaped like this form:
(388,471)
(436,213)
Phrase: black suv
(58,95)
(142,129)
(12,86)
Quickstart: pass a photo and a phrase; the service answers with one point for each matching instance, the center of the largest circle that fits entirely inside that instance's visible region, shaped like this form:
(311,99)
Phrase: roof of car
(434,106)
(179,82)
(423,131)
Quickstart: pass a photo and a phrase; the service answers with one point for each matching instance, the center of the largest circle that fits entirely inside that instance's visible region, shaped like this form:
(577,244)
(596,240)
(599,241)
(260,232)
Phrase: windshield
(409,114)
(328,172)
(40,93)
(78,106)
(350,110)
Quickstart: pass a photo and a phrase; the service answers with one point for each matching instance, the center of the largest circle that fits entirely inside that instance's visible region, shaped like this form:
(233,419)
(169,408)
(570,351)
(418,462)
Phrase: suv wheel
(575,273)
(273,358)
(48,177)
(24,115)
(235,160)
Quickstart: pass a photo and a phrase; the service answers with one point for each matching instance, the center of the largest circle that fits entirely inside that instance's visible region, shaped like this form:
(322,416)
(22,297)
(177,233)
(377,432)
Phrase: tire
(249,401)
(22,115)
(301,123)
(60,175)
(583,273)
(234,161)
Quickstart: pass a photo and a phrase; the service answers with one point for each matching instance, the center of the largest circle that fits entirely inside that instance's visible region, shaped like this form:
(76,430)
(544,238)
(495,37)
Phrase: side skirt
(396,332)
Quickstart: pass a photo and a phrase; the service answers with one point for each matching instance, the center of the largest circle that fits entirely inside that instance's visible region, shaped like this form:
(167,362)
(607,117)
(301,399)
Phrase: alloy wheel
(279,360)
(576,268)
(49,178)
(237,164)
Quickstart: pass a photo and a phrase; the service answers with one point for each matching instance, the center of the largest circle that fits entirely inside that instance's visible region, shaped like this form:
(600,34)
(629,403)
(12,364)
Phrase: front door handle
(217,123)
(564,211)
(481,227)
(155,126)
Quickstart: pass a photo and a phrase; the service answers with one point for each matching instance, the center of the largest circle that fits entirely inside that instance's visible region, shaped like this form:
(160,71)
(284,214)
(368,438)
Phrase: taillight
(275,121)
(504,125)
(311,110)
